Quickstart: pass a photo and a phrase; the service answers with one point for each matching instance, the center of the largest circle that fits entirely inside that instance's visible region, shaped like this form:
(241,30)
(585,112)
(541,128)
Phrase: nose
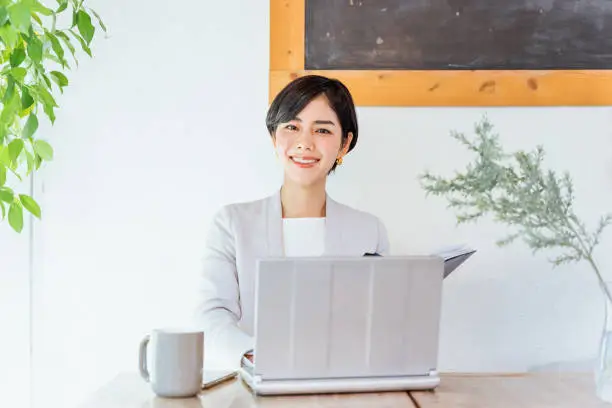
(304,140)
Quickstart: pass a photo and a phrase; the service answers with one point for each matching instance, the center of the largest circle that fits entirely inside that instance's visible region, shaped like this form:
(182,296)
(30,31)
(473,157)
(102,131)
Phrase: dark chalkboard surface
(458,34)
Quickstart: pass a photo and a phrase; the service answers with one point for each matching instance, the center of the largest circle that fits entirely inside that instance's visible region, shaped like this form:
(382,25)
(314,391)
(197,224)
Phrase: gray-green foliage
(515,189)
(34,64)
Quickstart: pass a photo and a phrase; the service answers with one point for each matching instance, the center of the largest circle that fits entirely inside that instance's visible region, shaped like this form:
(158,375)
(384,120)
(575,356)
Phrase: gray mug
(172,362)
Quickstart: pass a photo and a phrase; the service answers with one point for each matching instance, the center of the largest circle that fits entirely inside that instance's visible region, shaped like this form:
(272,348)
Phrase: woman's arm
(219,308)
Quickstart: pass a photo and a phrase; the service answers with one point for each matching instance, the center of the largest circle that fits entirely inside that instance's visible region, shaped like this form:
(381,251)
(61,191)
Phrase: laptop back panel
(347,317)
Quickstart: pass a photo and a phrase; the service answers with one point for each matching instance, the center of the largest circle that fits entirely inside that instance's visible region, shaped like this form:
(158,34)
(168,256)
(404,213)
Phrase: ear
(347,144)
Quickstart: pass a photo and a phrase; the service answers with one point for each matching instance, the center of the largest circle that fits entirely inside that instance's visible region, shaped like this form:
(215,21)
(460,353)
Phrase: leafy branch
(517,191)
(33,58)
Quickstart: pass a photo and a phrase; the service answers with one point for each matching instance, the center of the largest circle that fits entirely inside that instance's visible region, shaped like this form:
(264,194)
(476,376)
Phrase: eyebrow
(318,122)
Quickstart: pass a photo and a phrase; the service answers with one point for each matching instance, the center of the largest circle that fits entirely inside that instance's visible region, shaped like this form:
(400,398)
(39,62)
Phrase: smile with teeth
(302,160)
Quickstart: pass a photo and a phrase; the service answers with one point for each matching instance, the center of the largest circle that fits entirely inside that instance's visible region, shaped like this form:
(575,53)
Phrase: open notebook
(454,256)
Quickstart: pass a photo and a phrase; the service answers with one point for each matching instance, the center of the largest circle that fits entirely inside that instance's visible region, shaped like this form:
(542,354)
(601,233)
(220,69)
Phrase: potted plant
(535,203)
(34,57)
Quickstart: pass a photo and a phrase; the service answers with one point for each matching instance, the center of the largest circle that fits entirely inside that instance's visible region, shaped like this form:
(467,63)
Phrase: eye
(291,127)
(324,131)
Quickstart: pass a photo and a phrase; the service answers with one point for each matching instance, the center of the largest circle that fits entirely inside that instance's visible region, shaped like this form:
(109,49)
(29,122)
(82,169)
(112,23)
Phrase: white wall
(167,124)
(15,311)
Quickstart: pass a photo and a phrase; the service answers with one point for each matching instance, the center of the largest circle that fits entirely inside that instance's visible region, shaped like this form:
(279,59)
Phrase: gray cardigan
(238,236)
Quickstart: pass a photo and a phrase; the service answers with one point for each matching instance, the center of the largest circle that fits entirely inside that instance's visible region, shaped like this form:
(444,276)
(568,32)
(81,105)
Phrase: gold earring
(339,161)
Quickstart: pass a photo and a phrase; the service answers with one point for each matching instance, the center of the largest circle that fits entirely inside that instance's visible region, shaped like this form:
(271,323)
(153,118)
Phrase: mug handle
(142,358)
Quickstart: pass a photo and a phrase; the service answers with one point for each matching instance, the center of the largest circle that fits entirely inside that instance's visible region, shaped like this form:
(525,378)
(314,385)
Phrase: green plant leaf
(3,15)
(19,74)
(7,117)
(85,27)
(10,90)
(53,58)
(4,157)
(34,161)
(30,127)
(26,98)
(57,48)
(38,161)
(15,216)
(35,49)
(47,100)
(7,195)
(47,81)
(62,36)
(46,97)
(25,112)
(9,35)
(62,3)
(59,78)
(83,43)
(19,14)
(29,161)
(50,112)
(30,204)
(17,175)
(37,19)
(37,7)
(15,148)
(100,22)
(5,55)
(17,56)
(2,175)
(3,211)
(43,149)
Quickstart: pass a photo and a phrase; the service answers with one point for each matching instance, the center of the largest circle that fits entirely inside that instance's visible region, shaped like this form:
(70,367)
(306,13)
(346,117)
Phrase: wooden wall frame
(431,88)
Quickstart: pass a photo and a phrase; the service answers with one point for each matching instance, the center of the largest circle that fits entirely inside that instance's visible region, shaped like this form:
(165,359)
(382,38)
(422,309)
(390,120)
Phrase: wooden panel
(542,390)
(442,87)
(458,34)
(286,34)
(469,88)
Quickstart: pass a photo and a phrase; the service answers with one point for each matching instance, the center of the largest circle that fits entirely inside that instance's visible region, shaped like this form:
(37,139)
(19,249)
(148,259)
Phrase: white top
(304,236)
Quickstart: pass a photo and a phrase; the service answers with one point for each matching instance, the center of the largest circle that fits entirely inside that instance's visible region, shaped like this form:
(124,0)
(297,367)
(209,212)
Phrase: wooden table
(537,390)
(545,390)
(130,391)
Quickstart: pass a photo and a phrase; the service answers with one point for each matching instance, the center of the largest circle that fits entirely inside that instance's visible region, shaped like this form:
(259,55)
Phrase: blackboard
(458,34)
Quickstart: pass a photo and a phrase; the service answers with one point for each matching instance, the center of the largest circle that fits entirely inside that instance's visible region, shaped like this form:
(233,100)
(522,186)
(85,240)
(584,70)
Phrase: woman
(313,125)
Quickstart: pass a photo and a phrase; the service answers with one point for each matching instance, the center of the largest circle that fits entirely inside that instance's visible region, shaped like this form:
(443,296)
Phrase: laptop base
(339,385)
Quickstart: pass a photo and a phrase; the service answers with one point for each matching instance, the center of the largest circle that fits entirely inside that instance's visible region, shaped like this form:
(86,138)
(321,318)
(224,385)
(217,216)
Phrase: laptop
(355,324)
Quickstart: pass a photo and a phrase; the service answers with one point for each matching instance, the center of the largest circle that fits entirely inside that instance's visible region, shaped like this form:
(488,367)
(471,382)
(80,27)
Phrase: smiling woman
(314,105)
(313,125)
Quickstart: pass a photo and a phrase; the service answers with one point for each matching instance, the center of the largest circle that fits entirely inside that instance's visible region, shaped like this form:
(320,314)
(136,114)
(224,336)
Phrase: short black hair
(301,91)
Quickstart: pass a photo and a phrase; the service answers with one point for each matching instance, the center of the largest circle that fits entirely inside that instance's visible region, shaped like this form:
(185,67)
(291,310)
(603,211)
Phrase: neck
(303,201)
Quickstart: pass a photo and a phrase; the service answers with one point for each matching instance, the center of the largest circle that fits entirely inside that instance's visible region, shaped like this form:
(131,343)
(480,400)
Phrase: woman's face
(309,144)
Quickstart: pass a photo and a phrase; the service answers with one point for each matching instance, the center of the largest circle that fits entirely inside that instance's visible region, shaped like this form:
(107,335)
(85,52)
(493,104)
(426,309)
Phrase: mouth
(304,161)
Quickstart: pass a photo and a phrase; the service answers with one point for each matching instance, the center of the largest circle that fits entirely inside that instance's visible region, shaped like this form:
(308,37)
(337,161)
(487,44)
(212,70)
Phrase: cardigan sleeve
(219,310)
